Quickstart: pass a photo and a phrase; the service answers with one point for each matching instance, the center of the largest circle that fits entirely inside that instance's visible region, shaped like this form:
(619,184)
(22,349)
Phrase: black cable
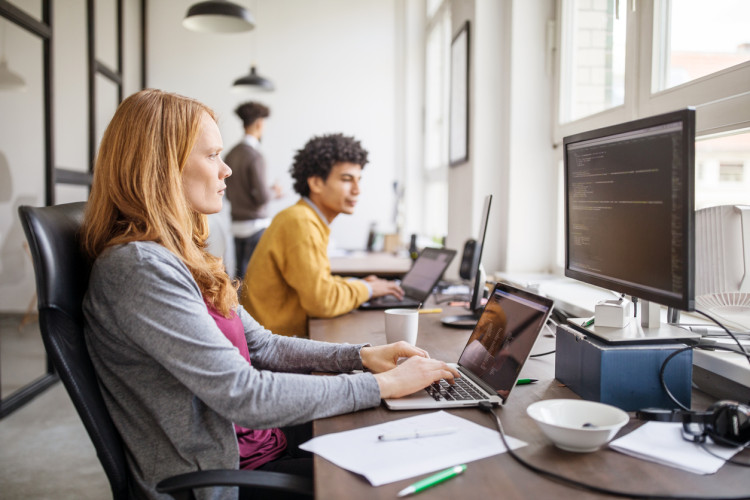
(546,325)
(487,407)
(714,347)
(541,354)
(687,326)
(663,382)
(729,460)
(739,344)
(664,363)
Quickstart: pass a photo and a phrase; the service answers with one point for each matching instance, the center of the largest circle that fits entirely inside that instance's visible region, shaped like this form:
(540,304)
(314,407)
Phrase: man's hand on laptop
(412,375)
(382,287)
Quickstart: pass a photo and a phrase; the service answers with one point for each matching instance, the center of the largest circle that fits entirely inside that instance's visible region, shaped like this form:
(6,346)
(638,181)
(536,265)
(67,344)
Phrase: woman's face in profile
(205,171)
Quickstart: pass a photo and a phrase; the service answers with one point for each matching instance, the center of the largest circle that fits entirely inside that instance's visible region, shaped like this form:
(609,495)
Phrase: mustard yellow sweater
(289,276)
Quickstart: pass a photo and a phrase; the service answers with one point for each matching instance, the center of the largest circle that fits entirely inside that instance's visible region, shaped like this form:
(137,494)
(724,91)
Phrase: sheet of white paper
(383,462)
(662,442)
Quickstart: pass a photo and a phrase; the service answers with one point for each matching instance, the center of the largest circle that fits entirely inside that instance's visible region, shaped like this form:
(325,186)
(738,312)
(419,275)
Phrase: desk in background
(500,475)
(361,264)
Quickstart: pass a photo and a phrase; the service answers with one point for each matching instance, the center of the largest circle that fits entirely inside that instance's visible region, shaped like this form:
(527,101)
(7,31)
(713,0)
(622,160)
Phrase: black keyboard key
(459,391)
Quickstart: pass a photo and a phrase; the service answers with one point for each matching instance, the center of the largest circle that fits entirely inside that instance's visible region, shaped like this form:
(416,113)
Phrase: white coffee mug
(401,324)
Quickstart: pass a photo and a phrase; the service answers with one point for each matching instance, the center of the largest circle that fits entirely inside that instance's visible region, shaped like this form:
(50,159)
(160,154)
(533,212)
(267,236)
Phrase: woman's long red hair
(137,192)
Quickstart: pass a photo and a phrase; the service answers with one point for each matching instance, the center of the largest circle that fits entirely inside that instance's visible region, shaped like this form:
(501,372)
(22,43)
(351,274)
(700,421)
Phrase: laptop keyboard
(461,390)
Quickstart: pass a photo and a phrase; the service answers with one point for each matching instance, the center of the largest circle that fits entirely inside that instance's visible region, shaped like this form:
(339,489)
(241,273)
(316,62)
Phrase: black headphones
(726,422)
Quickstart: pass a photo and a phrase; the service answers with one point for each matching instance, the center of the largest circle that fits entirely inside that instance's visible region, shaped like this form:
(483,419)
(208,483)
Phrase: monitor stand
(465,321)
(645,327)
(469,321)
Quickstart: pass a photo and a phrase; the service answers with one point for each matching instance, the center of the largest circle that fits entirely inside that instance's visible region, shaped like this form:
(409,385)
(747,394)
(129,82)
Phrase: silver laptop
(418,282)
(493,356)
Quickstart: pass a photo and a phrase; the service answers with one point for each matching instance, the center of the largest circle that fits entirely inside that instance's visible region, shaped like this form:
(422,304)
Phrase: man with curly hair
(289,276)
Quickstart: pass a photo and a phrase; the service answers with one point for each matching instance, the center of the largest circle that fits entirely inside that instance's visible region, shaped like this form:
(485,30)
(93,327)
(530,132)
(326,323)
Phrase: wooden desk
(500,476)
(361,264)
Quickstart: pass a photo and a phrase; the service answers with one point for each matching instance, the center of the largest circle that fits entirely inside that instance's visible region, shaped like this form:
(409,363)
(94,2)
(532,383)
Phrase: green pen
(524,381)
(431,481)
(588,322)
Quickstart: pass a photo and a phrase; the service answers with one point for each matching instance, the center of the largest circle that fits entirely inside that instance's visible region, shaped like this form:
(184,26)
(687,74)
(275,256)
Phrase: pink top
(256,446)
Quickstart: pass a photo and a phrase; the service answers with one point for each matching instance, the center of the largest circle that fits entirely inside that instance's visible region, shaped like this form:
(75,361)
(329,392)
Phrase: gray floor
(22,358)
(45,452)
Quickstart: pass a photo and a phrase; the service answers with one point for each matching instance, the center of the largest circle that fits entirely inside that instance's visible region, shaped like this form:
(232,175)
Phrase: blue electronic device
(622,375)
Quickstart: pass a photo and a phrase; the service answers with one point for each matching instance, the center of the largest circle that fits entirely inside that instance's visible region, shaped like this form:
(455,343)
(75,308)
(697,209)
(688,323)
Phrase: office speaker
(467,269)
(727,423)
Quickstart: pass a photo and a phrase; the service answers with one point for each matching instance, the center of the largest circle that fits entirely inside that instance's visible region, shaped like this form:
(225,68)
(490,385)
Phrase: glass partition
(22,182)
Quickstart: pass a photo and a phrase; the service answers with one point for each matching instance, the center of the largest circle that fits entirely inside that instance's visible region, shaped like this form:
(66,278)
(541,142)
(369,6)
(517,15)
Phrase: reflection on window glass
(435,172)
(22,182)
(436,107)
(694,38)
(592,75)
(68,193)
(106,32)
(722,167)
(432,7)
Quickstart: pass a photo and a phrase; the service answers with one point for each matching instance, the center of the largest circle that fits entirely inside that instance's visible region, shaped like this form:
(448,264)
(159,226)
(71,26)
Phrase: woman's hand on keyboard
(413,375)
(382,358)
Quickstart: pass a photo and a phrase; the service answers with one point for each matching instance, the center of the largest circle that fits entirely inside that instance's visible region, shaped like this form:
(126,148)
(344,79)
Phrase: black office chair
(62,274)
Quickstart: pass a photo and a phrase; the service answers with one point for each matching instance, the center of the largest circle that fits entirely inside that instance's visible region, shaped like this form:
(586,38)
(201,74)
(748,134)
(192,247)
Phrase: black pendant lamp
(253,81)
(218,16)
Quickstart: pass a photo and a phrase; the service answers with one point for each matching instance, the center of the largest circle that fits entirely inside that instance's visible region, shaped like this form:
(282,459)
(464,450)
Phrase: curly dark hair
(251,111)
(319,156)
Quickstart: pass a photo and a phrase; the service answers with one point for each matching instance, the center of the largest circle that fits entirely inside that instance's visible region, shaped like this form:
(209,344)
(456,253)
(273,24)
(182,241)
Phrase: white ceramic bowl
(577,425)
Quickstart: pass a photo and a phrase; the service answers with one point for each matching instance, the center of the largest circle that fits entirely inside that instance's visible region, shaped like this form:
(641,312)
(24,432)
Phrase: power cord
(541,354)
(666,361)
(672,397)
(546,325)
(487,407)
(730,460)
(734,337)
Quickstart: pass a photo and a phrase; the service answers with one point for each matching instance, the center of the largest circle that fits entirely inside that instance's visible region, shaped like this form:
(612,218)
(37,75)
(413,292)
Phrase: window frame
(722,99)
(436,175)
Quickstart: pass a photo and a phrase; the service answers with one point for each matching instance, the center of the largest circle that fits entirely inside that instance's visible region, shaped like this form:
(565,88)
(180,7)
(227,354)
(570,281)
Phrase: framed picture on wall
(459,98)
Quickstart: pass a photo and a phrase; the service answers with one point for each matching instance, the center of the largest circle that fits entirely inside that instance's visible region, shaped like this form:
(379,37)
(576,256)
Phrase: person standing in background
(247,189)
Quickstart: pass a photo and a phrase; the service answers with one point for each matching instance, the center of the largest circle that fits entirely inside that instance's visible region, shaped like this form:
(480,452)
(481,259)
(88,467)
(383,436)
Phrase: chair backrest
(62,275)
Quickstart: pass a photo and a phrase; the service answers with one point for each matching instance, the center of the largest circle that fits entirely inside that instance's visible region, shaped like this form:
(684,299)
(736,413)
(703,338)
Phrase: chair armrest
(181,485)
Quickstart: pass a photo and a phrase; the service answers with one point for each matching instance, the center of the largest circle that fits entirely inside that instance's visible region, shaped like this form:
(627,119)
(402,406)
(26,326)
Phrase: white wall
(510,149)
(533,175)
(333,65)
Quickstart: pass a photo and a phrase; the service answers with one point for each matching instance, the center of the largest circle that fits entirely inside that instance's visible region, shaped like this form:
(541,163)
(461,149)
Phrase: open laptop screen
(420,279)
(503,337)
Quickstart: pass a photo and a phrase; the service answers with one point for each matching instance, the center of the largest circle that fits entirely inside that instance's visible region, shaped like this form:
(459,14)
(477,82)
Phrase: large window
(722,171)
(695,38)
(592,73)
(624,59)
(437,78)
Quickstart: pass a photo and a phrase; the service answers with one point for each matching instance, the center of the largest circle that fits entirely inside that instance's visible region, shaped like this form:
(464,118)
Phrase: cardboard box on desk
(622,375)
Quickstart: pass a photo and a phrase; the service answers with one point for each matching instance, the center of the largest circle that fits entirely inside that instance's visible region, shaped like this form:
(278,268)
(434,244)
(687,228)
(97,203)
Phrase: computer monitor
(629,216)
(480,277)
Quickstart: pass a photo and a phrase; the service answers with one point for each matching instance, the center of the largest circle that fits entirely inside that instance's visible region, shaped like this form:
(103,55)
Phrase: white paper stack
(662,442)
